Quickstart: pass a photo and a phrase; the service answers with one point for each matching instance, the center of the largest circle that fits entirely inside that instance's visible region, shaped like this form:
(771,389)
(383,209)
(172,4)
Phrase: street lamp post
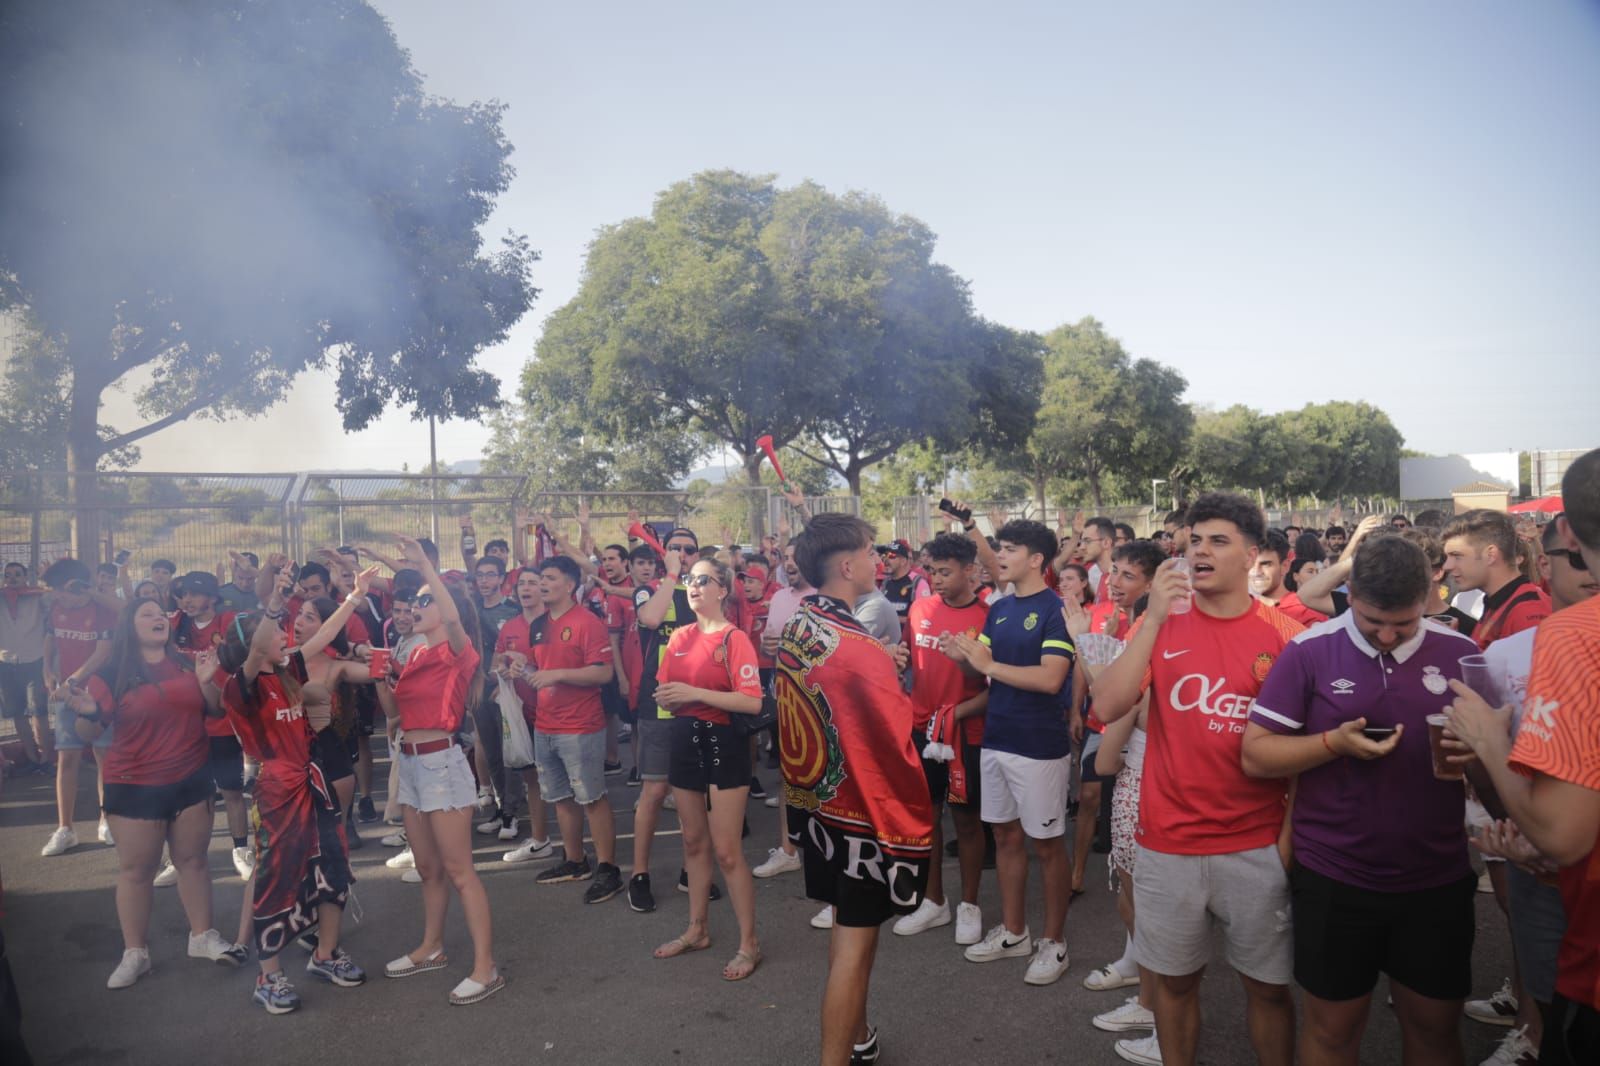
(1154,482)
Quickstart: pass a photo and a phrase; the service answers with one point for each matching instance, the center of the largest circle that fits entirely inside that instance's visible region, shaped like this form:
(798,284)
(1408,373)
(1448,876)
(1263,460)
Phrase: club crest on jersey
(1434,681)
(719,654)
(1262,666)
(1032,620)
(566,634)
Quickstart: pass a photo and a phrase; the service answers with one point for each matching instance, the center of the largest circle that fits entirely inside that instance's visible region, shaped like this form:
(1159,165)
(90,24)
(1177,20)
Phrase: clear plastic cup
(1183,603)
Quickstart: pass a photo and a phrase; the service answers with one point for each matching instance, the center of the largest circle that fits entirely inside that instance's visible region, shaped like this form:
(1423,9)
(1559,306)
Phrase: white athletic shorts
(1032,791)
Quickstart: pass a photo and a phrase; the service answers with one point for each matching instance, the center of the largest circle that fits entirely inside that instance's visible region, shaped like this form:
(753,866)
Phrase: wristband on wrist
(1324,736)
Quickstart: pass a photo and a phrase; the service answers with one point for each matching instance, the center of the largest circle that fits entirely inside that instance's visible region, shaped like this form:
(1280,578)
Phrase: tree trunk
(1038,491)
(83,456)
(757,512)
(1095,491)
(852,477)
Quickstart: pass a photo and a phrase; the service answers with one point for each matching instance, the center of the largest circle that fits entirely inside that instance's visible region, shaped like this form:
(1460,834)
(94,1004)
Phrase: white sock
(1126,966)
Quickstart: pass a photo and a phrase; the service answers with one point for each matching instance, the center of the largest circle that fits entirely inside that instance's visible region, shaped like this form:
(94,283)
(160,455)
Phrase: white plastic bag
(516,744)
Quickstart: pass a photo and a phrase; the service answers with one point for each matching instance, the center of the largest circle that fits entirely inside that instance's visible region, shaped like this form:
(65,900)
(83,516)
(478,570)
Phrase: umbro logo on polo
(1343,687)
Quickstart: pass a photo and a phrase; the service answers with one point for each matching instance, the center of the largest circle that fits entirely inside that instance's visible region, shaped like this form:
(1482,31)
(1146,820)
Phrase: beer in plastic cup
(378,664)
(1182,604)
(1442,769)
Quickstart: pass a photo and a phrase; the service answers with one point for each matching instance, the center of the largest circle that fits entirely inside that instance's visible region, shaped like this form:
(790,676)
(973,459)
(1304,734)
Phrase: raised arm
(414,556)
(1316,592)
(335,624)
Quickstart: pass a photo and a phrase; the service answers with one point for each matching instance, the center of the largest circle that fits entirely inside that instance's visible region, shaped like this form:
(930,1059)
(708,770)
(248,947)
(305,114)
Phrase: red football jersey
(192,639)
(571,642)
(160,738)
(1203,678)
(1559,735)
(517,635)
(77,630)
(936,679)
(272,728)
(724,661)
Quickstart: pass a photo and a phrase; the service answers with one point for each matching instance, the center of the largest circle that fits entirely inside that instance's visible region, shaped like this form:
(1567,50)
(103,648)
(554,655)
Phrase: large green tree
(1104,418)
(201,200)
(1341,449)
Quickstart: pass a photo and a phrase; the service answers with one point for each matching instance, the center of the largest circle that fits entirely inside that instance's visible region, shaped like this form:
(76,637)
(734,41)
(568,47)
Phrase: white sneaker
(823,919)
(670,803)
(1515,1049)
(134,965)
(396,839)
(997,943)
(508,831)
(772,801)
(104,832)
(969,923)
(490,827)
(402,861)
(1498,1009)
(63,840)
(778,862)
(1145,1050)
(1049,962)
(530,850)
(167,876)
(1128,1016)
(486,801)
(210,945)
(411,877)
(244,861)
(928,915)
(1109,977)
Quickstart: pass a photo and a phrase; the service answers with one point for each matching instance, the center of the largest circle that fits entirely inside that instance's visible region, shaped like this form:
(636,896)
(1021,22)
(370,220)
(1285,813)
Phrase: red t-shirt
(272,729)
(77,631)
(571,642)
(1559,735)
(1519,605)
(724,661)
(755,623)
(432,690)
(1291,606)
(936,679)
(160,737)
(191,640)
(517,635)
(1108,618)
(1203,678)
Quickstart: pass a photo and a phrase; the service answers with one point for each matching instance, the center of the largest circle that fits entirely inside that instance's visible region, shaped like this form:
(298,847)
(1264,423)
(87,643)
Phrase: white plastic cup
(1183,603)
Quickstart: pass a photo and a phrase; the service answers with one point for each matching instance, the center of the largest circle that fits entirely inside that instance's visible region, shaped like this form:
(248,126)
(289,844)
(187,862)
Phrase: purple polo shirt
(1386,824)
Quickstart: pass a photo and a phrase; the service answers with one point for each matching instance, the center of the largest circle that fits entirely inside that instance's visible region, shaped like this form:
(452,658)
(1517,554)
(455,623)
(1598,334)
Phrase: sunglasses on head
(424,600)
(1574,559)
(700,581)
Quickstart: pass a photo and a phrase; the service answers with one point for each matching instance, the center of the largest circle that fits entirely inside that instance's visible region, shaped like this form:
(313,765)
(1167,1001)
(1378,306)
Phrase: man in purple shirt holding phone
(1381,879)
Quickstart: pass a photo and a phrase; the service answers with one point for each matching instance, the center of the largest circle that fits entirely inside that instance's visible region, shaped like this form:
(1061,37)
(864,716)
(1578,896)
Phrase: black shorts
(1345,936)
(158,803)
(614,703)
(366,713)
(706,756)
(332,753)
(22,689)
(1571,1034)
(1086,759)
(226,765)
(860,901)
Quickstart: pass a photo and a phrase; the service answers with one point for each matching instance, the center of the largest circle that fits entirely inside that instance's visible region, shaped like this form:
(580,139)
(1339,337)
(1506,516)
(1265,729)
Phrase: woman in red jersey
(437,793)
(157,789)
(708,673)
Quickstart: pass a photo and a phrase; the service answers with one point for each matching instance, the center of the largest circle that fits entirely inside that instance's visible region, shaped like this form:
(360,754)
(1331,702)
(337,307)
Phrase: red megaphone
(639,532)
(765,444)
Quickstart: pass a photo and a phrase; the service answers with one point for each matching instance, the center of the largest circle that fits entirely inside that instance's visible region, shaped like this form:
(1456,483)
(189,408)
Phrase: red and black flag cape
(852,777)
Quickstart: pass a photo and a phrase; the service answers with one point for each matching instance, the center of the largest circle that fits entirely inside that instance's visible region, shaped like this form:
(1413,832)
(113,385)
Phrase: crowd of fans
(1291,737)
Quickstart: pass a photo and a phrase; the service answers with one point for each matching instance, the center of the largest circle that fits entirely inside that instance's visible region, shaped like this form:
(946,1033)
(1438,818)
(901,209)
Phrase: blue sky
(1287,202)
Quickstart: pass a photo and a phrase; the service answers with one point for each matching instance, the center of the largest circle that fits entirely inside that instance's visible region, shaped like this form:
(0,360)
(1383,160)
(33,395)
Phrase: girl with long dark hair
(302,870)
(437,793)
(328,696)
(157,786)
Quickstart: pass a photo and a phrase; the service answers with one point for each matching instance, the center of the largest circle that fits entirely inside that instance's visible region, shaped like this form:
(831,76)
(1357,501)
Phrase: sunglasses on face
(700,581)
(1574,559)
(76,586)
(685,549)
(424,600)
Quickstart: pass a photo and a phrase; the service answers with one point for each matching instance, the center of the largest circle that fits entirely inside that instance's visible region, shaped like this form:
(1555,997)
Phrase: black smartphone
(1378,732)
(948,506)
(294,572)
(122,557)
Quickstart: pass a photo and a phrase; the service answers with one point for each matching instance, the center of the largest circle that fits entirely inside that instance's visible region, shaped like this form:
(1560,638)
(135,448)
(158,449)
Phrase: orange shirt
(1560,736)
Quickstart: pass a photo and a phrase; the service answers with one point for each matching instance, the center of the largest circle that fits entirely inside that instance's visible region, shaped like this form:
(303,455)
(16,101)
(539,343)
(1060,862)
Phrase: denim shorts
(571,766)
(437,781)
(67,738)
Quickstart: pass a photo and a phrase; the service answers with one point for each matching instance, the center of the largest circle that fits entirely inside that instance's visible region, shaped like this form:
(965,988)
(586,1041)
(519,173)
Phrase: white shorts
(1032,791)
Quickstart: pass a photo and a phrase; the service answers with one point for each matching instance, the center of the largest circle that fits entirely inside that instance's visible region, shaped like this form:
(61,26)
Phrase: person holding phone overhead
(1382,881)
(708,674)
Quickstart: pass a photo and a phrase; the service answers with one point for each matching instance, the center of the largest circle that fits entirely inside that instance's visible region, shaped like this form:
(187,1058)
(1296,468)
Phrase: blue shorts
(437,781)
(571,766)
(67,738)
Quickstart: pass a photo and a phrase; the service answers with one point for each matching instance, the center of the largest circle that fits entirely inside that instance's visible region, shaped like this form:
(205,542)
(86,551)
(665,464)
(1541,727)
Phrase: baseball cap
(197,583)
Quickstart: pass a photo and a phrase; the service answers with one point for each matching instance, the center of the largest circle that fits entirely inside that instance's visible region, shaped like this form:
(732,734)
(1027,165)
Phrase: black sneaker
(566,870)
(633,778)
(952,848)
(365,811)
(683,885)
(639,897)
(607,883)
(756,790)
(772,759)
(863,1054)
(612,769)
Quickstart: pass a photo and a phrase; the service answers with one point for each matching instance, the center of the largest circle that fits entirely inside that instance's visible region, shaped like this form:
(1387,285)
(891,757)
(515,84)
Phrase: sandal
(731,971)
(680,945)
(404,967)
(469,991)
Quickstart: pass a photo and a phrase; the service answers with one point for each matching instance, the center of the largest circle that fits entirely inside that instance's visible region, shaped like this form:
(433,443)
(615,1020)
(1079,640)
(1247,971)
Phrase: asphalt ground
(582,985)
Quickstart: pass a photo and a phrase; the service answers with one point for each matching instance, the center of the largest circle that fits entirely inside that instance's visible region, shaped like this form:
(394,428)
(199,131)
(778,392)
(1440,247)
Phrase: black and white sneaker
(566,870)
(756,789)
(607,883)
(633,778)
(867,1052)
(683,886)
(640,898)
(612,769)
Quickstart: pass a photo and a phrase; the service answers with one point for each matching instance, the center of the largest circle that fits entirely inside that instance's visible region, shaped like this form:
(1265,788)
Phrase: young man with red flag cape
(857,799)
